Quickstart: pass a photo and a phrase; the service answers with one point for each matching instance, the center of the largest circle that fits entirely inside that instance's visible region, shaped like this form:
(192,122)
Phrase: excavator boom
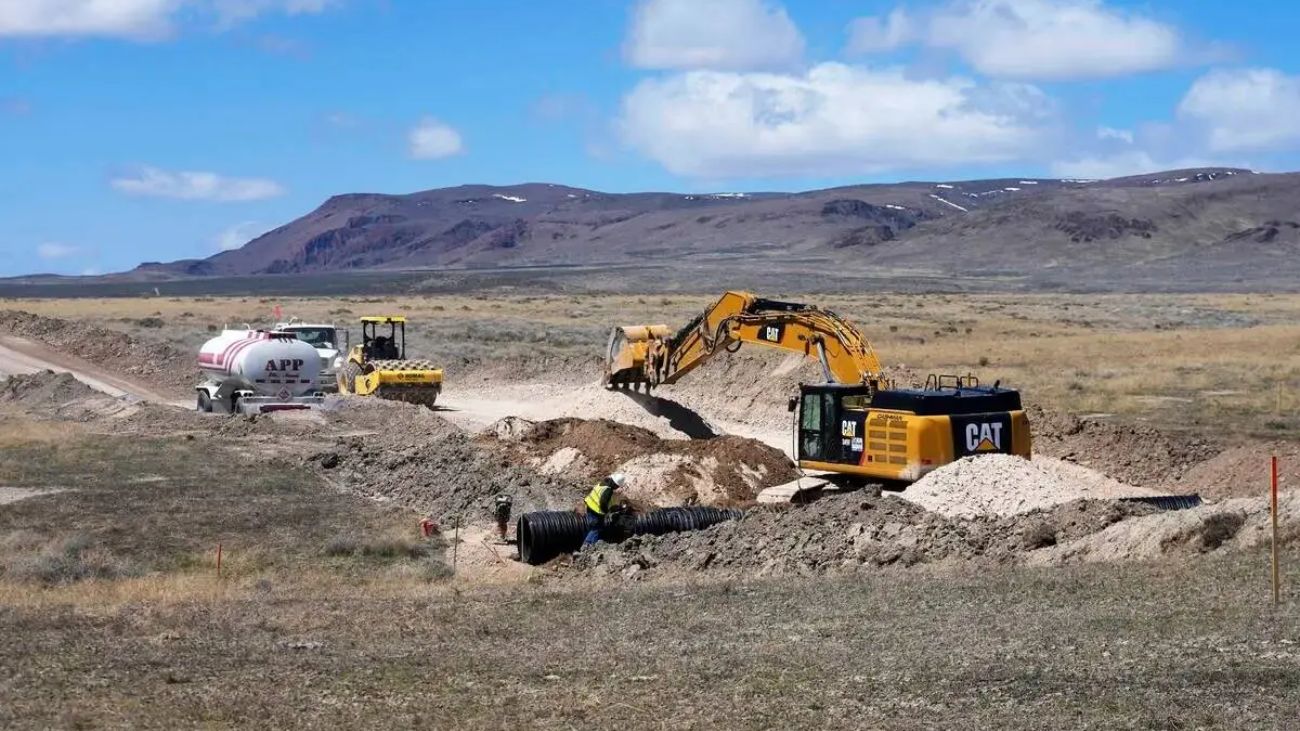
(647,355)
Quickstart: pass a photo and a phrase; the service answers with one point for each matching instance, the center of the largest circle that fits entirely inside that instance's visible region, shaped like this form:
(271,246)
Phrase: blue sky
(135,130)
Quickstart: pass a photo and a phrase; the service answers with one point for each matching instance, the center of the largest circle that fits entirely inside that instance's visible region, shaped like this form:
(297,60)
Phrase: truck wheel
(205,402)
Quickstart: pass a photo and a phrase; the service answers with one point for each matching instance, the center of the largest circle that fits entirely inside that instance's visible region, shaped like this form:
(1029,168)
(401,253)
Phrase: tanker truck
(255,371)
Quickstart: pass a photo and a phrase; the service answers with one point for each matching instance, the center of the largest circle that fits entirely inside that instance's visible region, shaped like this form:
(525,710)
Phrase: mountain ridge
(1015,226)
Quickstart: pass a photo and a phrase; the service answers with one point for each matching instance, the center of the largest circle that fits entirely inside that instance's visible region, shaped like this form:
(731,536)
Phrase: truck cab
(325,339)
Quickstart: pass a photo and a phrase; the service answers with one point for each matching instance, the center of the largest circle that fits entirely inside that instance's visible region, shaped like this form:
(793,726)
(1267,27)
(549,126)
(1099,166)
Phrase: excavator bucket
(626,354)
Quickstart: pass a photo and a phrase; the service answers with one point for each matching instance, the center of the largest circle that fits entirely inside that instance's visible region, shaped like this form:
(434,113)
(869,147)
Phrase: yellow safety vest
(599,499)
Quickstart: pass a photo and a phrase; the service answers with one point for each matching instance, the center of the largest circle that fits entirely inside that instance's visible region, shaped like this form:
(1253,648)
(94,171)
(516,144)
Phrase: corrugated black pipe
(673,520)
(545,534)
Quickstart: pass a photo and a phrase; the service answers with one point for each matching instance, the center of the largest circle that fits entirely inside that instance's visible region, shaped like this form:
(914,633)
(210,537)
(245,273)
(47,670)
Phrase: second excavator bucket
(625,356)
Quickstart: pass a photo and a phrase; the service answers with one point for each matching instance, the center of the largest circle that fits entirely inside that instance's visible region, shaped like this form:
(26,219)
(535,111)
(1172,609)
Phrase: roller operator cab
(901,434)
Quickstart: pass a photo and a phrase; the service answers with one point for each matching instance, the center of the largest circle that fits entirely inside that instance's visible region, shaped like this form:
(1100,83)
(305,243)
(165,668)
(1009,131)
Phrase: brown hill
(1214,224)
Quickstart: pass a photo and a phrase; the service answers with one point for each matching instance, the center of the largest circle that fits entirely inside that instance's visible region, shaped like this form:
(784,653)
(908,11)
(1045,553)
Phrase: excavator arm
(648,355)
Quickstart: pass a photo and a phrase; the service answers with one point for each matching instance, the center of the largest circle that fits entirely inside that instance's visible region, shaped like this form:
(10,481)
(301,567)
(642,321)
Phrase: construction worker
(599,502)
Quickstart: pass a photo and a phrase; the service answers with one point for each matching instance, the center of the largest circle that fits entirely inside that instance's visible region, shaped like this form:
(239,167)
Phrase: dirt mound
(1244,471)
(1136,454)
(852,532)
(432,467)
(1003,484)
(750,387)
(45,388)
(655,413)
(1241,523)
(724,470)
(163,364)
(59,396)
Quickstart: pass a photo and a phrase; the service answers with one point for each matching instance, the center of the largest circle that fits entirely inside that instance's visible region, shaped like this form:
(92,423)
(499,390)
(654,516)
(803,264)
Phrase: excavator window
(856,403)
(815,435)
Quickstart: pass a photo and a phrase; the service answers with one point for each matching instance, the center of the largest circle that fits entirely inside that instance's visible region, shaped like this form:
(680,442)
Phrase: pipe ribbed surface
(545,534)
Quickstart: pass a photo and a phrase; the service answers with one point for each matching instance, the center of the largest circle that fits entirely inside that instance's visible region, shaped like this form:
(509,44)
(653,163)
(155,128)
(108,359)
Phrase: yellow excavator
(856,423)
(378,365)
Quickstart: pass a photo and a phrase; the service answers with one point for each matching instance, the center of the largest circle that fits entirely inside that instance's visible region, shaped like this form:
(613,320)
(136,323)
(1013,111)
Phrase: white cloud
(1034,39)
(717,34)
(874,35)
(237,235)
(133,19)
(1123,164)
(232,12)
(1247,109)
(836,119)
(53,250)
(432,140)
(191,185)
(1110,133)
(139,19)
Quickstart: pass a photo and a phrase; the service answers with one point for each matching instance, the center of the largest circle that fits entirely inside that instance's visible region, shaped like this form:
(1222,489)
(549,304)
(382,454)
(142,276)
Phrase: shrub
(1220,528)
(69,561)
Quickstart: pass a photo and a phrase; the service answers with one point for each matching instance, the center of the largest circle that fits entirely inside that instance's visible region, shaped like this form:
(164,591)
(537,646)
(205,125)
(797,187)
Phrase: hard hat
(618,478)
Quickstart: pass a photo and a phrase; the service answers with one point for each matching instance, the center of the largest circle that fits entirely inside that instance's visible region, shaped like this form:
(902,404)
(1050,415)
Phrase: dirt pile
(1138,455)
(59,395)
(433,467)
(1240,523)
(163,364)
(852,532)
(1003,484)
(751,386)
(45,388)
(721,471)
(656,413)
(1244,471)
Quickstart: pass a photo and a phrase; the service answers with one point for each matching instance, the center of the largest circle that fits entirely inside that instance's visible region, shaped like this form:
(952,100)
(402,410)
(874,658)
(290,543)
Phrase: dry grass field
(331,610)
(115,618)
(1217,365)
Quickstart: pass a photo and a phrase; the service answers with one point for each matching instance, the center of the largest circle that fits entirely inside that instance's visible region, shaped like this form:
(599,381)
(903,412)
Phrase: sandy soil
(477,408)
(20,356)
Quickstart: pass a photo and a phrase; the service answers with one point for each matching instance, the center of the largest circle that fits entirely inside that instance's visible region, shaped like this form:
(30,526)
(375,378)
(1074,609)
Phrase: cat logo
(771,333)
(983,437)
(848,428)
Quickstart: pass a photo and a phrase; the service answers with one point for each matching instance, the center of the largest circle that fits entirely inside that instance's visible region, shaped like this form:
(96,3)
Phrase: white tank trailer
(255,371)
